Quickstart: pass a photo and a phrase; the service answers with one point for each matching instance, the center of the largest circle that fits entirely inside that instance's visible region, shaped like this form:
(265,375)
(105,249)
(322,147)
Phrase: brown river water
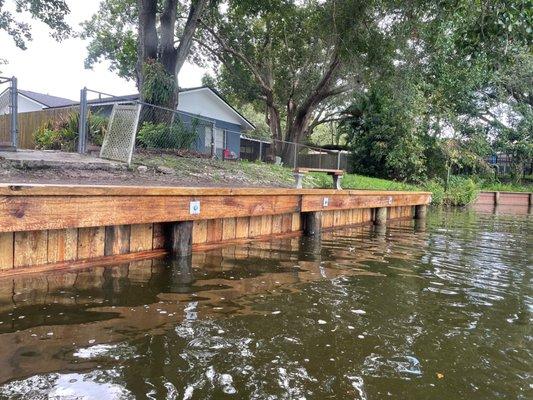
(440,310)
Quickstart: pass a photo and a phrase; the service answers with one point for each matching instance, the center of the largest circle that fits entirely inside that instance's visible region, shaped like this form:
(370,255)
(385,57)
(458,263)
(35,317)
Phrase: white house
(28,101)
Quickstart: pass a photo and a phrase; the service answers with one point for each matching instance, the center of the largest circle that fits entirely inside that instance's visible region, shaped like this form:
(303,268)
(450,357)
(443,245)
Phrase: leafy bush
(437,190)
(62,133)
(48,138)
(164,136)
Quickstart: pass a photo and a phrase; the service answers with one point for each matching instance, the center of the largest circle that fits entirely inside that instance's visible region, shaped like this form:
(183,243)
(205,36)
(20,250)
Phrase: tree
(51,12)
(140,37)
(469,65)
(293,59)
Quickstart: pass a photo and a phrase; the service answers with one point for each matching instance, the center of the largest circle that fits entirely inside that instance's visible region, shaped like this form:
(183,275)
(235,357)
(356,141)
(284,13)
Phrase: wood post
(181,238)
(380,216)
(298,177)
(421,211)
(312,223)
(496,198)
(337,181)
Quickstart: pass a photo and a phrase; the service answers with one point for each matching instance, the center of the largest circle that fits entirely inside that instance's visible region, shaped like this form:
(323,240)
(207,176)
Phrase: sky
(57,68)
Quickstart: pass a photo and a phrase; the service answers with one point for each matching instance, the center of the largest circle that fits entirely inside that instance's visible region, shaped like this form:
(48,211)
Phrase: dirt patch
(151,170)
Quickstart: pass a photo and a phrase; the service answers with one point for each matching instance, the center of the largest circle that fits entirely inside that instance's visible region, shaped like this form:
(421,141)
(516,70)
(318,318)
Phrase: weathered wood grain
(141,237)
(214,230)
(276,224)
(91,242)
(117,240)
(228,228)
(32,189)
(7,243)
(255,226)
(266,225)
(199,232)
(18,213)
(296,222)
(338,202)
(242,227)
(286,223)
(62,245)
(31,248)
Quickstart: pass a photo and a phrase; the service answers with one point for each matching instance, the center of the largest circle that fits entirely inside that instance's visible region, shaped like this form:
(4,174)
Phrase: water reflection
(407,311)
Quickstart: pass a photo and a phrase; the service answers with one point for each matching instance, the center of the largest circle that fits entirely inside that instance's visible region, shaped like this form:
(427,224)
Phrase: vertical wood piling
(181,239)
(312,223)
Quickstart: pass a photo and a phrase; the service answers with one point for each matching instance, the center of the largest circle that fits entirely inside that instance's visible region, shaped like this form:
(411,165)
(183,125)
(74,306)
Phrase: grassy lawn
(506,187)
(461,190)
(354,181)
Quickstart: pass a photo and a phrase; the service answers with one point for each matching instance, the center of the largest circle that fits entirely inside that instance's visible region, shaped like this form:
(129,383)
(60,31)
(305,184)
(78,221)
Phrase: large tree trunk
(273,120)
(147,41)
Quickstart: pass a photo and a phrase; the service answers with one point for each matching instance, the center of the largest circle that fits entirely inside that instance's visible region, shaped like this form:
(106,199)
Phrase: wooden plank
(296,222)
(228,228)
(141,237)
(31,189)
(84,264)
(338,202)
(19,213)
(91,242)
(6,250)
(31,248)
(336,218)
(117,239)
(161,233)
(276,224)
(266,225)
(242,226)
(286,223)
(255,226)
(199,232)
(62,245)
(214,230)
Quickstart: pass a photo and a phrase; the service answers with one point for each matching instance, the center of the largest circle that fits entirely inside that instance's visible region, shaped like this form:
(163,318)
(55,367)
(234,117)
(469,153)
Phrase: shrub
(164,136)
(461,191)
(437,190)
(62,134)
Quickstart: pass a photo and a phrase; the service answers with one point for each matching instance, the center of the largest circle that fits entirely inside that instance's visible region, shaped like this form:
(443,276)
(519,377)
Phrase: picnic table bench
(336,174)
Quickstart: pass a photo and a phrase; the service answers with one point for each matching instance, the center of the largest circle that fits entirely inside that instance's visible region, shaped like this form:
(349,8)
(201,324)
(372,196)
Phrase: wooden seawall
(48,227)
(505,198)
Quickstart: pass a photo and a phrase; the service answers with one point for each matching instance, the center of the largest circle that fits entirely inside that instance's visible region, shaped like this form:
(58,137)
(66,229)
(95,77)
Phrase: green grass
(361,182)
(461,190)
(506,187)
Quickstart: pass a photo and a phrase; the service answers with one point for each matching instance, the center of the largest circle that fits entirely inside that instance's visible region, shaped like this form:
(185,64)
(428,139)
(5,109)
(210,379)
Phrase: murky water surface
(410,312)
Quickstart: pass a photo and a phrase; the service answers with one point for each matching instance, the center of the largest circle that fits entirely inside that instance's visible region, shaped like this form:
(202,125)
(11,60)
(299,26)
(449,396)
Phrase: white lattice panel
(120,138)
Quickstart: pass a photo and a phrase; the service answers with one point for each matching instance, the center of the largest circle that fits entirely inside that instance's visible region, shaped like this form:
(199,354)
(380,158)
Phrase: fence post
(339,159)
(260,151)
(295,155)
(82,129)
(213,149)
(14,113)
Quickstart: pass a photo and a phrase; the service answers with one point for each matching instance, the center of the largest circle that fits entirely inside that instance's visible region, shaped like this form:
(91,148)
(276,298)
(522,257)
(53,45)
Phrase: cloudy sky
(57,68)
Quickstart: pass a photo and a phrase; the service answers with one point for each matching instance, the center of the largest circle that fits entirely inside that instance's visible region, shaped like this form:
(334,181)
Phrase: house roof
(46,99)
(135,97)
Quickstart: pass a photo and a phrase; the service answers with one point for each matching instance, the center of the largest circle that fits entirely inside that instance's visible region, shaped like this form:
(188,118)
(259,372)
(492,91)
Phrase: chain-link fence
(116,127)
(297,155)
